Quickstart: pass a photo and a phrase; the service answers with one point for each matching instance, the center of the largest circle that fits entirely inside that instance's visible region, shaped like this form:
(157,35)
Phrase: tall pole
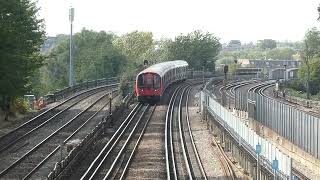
(71,18)
(285,76)
(203,75)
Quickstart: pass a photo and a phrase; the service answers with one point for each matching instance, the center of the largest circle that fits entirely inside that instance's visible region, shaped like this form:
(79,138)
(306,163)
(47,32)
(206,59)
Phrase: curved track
(182,158)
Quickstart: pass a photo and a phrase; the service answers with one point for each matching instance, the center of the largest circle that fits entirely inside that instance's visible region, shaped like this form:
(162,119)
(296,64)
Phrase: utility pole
(71,77)
(203,75)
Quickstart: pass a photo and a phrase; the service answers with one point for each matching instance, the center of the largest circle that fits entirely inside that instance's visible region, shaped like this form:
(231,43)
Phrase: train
(152,82)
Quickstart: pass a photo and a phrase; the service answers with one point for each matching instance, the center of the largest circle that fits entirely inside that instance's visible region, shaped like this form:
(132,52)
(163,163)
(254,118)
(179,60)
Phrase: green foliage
(197,48)
(19,105)
(267,44)
(314,75)
(257,53)
(232,69)
(297,85)
(95,57)
(312,40)
(310,54)
(135,44)
(21,35)
(158,54)
(225,60)
(280,53)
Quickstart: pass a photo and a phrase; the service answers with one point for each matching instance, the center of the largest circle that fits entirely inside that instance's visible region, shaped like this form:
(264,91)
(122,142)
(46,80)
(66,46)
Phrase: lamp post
(71,18)
(319,12)
(203,75)
(110,104)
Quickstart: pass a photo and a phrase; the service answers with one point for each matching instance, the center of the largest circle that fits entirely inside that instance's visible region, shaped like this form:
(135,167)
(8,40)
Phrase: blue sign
(275,164)
(258,149)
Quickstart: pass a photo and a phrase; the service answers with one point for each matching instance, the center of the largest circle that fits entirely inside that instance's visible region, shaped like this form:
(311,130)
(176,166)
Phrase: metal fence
(246,135)
(297,126)
(60,94)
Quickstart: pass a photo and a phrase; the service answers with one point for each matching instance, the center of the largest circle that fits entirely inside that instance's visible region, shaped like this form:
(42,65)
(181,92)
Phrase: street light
(71,18)
(319,12)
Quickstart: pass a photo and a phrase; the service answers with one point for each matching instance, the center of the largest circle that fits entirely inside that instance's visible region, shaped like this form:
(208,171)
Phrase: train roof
(163,67)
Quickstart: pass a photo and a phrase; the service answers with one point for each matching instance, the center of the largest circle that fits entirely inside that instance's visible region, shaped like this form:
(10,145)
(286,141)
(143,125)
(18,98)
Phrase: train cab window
(140,81)
(156,82)
(149,82)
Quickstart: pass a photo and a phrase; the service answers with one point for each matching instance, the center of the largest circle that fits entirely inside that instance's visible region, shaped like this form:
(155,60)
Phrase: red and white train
(153,81)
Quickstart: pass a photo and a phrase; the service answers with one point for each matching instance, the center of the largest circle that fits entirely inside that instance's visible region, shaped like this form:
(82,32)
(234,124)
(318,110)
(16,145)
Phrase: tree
(159,53)
(280,53)
(311,49)
(21,35)
(135,44)
(267,44)
(95,57)
(199,49)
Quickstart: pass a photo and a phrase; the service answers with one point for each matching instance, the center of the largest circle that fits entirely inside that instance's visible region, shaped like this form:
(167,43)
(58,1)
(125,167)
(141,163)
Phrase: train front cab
(148,88)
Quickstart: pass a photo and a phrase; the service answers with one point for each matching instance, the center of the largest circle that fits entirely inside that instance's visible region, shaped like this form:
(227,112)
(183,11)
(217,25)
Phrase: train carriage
(153,81)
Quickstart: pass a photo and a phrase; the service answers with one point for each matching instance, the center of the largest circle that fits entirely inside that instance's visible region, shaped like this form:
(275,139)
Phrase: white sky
(246,20)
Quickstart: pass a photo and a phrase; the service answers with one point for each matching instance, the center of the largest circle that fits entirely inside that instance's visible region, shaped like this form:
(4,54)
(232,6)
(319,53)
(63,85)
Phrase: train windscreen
(149,81)
(140,81)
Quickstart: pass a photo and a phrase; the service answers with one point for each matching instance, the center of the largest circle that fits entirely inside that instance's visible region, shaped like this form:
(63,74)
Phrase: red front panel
(149,84)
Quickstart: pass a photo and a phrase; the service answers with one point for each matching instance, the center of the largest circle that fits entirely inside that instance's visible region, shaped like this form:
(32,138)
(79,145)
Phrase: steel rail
(64,142)
(170,160)
(17,139)
(299,175)
(14,164)
(115,137)
(50,109)
(108,174)
(225,162)
(182,140)
(295,171)
(204,175)
(136,145)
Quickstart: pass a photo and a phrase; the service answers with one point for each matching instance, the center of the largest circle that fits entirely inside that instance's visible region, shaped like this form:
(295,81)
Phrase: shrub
(19,105)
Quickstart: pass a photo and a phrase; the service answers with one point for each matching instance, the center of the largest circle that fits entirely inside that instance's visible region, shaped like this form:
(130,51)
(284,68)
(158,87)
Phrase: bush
(300,85)
(297,85)
(19,105)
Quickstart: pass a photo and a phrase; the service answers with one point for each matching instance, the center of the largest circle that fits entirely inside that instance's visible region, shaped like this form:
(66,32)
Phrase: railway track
(29,158)
(225,162)
(296,173)
(9,139)
(182,158)
(115,157)
(262,92)
(260,89)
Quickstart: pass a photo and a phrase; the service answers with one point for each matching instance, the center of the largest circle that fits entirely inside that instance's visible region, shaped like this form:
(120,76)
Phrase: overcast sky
(246,20)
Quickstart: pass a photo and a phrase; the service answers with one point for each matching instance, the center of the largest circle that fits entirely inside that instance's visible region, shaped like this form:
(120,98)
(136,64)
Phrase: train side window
(140,81)
(156,82)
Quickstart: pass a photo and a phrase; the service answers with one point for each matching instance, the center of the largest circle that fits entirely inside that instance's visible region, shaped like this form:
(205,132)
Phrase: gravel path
(202,137)
(149,161)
